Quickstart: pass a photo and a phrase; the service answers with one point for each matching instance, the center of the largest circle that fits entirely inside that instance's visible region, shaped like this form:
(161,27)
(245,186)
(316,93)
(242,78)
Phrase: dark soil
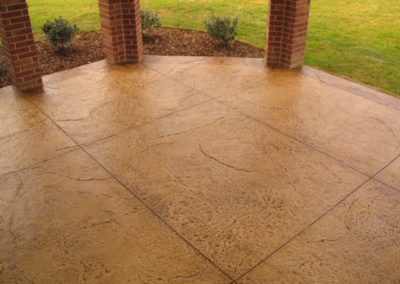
(169,41)
(87,48)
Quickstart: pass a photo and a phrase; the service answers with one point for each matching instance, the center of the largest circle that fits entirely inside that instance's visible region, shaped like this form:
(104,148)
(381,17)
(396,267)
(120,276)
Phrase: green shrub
(222,29)
(3,70)
(59,33)
(150,20)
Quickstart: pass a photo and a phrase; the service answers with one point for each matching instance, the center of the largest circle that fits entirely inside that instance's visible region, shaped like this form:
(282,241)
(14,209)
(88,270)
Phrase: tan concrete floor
(193,170)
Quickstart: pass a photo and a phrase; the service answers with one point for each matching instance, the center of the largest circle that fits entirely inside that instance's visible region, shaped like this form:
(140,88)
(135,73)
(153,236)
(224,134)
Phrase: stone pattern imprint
(199,170)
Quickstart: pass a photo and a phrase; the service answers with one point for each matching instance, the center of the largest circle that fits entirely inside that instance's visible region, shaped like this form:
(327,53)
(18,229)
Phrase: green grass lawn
(358,39)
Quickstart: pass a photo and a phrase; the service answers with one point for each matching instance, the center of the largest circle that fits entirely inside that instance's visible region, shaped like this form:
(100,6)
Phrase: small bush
(150,20)
(59,33)
(3,71)
(222,29)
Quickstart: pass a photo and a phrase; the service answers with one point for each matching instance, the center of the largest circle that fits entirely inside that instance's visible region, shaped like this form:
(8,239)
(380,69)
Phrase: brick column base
(19,45)
(288,21)
(122,30)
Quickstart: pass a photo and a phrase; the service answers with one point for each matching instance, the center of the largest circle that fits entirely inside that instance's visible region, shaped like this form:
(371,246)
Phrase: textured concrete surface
(199,170)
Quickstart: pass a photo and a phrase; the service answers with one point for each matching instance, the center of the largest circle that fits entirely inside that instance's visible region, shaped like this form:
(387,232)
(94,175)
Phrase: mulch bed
(87,48)
(169,41)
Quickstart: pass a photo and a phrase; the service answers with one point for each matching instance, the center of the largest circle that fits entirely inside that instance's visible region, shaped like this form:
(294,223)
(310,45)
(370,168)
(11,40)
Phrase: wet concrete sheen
(199,170)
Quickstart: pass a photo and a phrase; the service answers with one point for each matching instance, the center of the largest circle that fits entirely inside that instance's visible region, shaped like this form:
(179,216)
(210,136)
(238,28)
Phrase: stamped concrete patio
(195,170)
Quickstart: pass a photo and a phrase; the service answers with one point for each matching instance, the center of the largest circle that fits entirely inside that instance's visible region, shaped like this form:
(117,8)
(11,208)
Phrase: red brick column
(122,30)
(288,21)
(19,46)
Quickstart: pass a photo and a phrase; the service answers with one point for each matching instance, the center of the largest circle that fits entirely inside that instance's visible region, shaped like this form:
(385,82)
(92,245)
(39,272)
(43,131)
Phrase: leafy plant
(59,33)
(3,70)
(223,29)
(150,20)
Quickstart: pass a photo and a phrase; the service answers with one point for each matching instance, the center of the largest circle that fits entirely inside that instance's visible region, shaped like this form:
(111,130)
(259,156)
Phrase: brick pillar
(18,45)
(122,30)
(288,21)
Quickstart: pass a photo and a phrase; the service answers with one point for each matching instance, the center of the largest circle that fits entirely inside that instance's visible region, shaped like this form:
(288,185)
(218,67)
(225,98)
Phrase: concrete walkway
(199,170)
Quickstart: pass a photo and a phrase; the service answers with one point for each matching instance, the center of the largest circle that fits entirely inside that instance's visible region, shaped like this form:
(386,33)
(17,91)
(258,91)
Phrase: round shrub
(150,20)
(59,33)
(222,29)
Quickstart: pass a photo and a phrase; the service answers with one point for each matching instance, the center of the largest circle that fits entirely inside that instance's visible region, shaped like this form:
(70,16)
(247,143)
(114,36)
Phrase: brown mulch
(87,48)
(169,41)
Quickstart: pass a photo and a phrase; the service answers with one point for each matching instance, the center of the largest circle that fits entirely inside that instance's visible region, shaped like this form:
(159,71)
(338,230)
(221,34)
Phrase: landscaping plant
(59,33)
(222,29)
(3,70)
(150,20)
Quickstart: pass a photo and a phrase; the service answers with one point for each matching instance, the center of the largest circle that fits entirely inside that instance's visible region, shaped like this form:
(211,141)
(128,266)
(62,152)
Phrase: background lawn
(358,39)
